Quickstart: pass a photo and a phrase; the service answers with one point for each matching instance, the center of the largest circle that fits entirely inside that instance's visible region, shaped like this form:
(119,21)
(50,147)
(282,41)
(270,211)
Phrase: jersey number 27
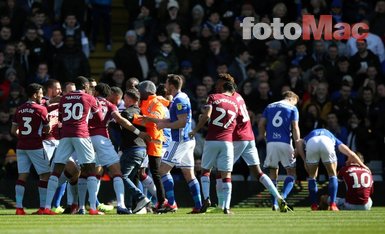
(217,120)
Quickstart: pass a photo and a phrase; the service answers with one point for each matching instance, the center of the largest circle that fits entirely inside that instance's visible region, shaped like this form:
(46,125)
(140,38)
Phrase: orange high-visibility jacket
(153,108)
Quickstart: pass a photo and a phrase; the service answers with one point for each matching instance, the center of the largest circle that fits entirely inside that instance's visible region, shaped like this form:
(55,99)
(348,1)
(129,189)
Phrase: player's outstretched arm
(204,117)
(129,126)
(352,157)
(155,120)
(180,123)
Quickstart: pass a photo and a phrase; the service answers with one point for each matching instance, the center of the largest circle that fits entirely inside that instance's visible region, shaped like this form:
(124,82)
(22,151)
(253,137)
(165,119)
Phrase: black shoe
(123,211)
(205,205)
(227,211)
(67,210)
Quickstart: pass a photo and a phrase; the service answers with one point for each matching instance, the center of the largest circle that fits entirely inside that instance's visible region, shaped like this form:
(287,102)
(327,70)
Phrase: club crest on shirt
(179,106)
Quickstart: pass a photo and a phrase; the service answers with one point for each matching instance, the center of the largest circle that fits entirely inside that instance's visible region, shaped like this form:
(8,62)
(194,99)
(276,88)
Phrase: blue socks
(195,191)
(313,190)
(333,188)
(59,194)
(168,184)
(287,186)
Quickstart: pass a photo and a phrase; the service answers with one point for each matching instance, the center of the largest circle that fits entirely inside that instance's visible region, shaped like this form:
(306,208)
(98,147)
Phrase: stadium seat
(375,166)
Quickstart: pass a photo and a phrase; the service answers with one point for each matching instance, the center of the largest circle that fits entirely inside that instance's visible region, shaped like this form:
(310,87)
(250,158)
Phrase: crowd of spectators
(341,83)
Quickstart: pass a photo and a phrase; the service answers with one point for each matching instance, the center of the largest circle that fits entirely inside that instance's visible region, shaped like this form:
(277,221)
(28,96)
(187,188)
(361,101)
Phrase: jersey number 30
(217,120)
(74,111)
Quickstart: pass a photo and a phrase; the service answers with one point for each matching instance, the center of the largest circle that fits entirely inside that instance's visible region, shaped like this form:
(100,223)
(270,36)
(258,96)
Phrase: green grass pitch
(244,220)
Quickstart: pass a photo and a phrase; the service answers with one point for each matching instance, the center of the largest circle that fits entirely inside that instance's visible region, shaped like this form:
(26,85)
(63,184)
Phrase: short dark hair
(290,94)
(133,93)
(50,83)
(116,90)
(103,89)
(161,90)
(226,77)
(175,80)
(33,89)
(228,86)
(80,82)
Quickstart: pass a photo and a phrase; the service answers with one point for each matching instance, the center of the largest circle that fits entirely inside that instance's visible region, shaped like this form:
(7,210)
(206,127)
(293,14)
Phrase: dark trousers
(154,163)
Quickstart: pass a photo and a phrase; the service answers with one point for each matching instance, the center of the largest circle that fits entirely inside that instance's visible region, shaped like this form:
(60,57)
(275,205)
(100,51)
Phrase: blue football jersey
(181,105)
(323,132)
(166,131)
(279,117)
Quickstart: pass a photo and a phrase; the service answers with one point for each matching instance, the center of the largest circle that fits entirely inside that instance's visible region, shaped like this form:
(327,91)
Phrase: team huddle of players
(71,132)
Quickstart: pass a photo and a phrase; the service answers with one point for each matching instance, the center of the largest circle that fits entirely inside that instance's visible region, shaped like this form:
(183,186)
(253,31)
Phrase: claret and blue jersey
(181,105)
(279,116)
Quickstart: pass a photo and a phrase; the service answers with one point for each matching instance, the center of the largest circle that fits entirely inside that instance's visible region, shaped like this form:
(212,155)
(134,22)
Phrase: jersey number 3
(27,125)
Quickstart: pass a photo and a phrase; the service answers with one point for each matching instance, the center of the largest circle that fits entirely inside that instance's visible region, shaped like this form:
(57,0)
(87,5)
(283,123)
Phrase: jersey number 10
(364,180)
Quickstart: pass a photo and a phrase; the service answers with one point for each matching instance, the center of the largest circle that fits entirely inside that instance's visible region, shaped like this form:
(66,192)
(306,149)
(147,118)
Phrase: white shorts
(248,151)
(279,152)
(343,205)
(37,158)
(320,147)
(180,154)
(50,147)
(104,151)
(82,146)
(218,154)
